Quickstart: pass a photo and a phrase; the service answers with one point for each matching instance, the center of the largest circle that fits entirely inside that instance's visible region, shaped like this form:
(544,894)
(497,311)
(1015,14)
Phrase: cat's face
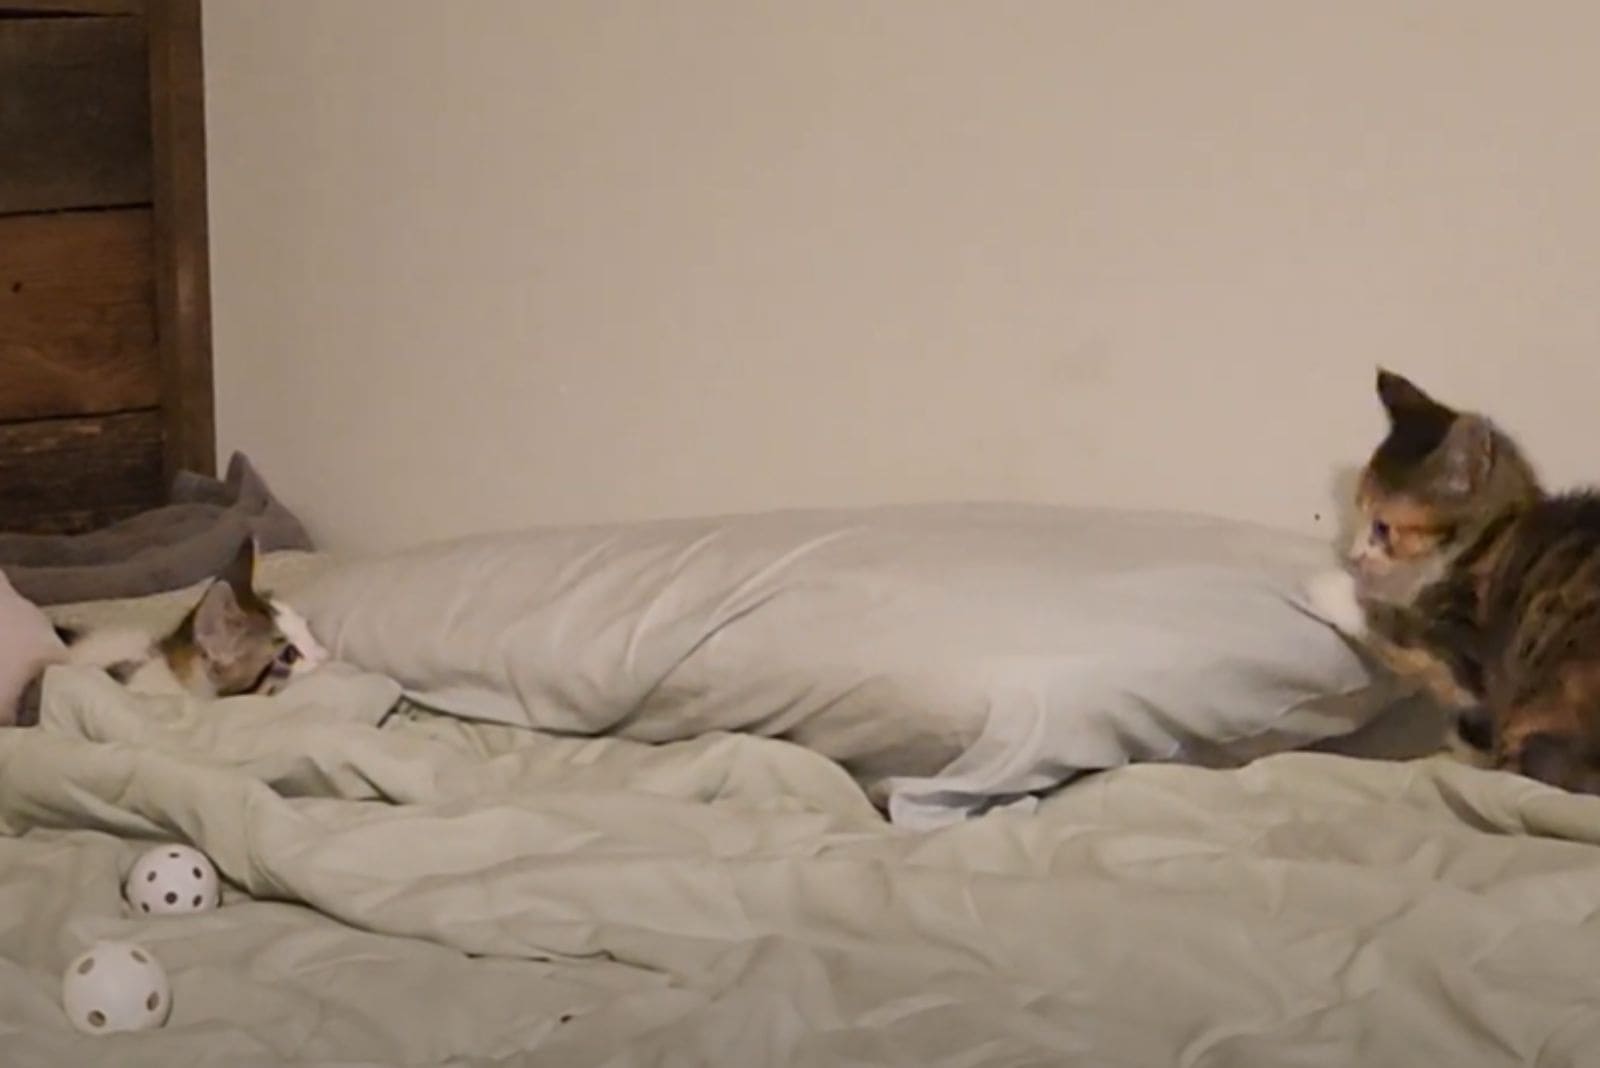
(1434,480)
(236,640)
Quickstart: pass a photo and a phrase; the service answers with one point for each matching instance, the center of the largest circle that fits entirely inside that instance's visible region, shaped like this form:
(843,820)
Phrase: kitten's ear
(240,572)
(222,628)
(1404,401)
(1466,456)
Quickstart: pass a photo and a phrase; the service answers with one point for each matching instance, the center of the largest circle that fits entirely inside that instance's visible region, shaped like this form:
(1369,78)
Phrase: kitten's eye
(1381,531)
(289,656)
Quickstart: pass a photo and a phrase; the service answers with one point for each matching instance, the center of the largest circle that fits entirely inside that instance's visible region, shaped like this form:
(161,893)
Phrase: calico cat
(236,640)
(1467,576)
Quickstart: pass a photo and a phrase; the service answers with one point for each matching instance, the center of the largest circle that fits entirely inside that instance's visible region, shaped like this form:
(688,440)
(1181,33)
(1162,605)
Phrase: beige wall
(509,261)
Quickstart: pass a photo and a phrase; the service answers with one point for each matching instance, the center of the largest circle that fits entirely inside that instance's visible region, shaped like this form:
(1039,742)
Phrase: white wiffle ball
(116,986)
(172,879)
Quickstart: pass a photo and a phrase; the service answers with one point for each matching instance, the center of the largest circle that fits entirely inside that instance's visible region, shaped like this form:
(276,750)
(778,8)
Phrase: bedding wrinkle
(684,891)
(1577,1031)
(641,704)
(1132,914)
(653,610)
(751,594)
(1516,1035)
(582,564)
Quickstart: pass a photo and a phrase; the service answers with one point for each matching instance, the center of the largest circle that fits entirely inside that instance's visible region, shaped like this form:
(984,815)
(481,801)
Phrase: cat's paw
(1332,596)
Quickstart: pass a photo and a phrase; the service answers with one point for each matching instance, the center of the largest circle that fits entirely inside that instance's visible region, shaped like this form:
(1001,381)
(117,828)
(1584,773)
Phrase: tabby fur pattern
(1466,576)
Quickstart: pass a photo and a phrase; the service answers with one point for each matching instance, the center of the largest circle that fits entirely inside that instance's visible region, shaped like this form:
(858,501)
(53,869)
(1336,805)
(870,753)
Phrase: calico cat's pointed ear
(1403,400)
(240,572)
(1466,456)
(222,627)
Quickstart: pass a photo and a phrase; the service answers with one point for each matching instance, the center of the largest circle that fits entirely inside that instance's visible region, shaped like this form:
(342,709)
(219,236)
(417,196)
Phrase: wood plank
(71,7)
(74,114)
(77,314)
(183,264)
(70,475)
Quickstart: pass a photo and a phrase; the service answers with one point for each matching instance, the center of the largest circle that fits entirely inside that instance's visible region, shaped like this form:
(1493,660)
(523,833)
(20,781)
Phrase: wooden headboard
(105,329)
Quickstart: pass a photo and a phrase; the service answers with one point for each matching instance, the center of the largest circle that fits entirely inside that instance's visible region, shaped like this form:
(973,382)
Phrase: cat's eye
(289,656)
(1381,531)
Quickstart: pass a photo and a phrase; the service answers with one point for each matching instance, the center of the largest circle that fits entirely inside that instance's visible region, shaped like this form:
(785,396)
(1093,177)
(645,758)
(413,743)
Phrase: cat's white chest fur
(1332,596)
(298,631)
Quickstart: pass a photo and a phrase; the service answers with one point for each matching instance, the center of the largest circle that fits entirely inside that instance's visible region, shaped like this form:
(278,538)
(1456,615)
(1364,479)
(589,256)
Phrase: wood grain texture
(183,265)
(71,475)
(71,7)
(77,314)
(74,114)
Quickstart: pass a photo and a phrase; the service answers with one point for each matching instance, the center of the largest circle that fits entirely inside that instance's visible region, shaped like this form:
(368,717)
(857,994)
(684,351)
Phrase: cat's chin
(1332,596)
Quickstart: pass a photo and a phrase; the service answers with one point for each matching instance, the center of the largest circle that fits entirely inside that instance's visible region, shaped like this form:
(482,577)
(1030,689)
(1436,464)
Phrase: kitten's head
(237,640)
(1437,478)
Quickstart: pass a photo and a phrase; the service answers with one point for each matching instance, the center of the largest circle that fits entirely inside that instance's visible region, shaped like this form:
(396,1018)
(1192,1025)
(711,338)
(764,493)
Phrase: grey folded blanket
(166,548)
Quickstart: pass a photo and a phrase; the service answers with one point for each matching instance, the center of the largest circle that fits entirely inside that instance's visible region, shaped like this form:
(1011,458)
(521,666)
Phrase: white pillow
(27,644)
(947,655)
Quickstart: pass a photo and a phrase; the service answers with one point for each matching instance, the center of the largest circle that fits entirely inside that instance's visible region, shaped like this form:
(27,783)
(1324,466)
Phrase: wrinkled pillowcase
(892,640)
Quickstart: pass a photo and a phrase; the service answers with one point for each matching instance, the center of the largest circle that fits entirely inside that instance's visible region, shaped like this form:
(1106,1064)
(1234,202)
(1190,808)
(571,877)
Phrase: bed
(417,879)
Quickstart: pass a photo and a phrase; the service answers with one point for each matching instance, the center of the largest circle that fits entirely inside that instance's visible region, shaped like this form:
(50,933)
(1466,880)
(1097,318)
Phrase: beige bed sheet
(434,892)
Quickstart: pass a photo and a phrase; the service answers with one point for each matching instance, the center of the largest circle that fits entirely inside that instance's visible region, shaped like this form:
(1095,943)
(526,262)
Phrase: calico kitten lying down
(1468,577)
(234,641)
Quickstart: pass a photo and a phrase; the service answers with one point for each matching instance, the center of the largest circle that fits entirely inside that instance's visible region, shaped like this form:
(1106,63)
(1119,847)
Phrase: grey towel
(166,548)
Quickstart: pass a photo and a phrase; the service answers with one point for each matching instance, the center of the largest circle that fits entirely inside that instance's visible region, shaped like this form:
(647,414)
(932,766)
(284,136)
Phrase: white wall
(511,261)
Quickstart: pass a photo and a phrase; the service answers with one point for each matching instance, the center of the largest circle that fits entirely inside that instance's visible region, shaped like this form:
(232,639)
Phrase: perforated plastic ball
(116,986)
(172,879)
